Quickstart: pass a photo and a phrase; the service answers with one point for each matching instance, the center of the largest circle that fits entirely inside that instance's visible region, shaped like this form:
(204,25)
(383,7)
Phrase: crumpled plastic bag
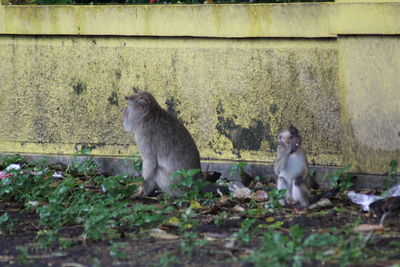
(364,200)
(239,191)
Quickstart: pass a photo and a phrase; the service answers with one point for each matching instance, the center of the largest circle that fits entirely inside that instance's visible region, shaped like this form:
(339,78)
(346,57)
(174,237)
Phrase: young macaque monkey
(291,168)
(164,143)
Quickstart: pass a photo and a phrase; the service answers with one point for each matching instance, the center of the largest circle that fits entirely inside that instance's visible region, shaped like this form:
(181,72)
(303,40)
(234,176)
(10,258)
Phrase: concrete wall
(64,72)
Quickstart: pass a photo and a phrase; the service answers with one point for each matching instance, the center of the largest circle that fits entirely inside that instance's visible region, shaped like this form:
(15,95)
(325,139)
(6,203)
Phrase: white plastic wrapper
(394,191)
(239,191)
(364,200)
(13,167)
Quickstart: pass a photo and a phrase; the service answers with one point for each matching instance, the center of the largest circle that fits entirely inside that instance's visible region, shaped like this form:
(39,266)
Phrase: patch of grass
(341,179)
(296,248)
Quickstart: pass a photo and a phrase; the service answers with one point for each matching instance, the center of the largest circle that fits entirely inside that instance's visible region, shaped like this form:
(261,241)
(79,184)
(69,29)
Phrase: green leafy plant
(136,163)
(341,179)
(247,230)
(10,159)
(117,250)
(275,199)
(296,248)
(23,255)
(6,223)
(390,180)
(237,168)
(189,185)
(221,218)
(167,260)
(86,166)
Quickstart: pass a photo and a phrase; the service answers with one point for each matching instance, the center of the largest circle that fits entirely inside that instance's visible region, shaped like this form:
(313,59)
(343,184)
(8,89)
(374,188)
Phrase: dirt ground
(144,250)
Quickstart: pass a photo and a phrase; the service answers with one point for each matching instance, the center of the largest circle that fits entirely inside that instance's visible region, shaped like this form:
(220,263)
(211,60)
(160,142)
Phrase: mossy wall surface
(63,78)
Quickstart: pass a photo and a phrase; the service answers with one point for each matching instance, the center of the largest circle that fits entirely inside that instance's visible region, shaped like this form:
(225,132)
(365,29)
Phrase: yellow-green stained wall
(64,72)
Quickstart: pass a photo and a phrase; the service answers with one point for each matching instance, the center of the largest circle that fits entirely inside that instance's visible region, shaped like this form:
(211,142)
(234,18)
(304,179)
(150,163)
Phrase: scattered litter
(362,199)
(260,196)
(382,206)
(36,173)
(214,236)
(230,243)
(4,175)
(238,208)
(365,200)
(58,175)
(394,191)
(162,234)
(13,167)
(323,203)
(32,204)
(239,191)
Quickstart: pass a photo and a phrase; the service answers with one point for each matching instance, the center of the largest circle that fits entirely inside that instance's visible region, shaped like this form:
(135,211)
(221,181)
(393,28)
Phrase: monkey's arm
(282,159)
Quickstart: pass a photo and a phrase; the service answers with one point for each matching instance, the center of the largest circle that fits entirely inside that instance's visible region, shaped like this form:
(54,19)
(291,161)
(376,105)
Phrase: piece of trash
(214,236)
(381,206)
(363,200)
(394,191)
(32,204)
(5,175)
(368,228)
(36,173)
(58,175)
(239,191)
(323,203)
(366,200)
(238,208)
(230,243)
(13,167)
(260,196)
(162,234)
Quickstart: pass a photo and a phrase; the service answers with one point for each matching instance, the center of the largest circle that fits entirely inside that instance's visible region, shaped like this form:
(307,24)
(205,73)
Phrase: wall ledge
(298,20)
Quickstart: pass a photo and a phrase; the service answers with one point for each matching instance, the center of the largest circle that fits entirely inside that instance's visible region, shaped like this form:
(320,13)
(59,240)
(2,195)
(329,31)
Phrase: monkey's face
(134,110)
(289,140)
(138,106)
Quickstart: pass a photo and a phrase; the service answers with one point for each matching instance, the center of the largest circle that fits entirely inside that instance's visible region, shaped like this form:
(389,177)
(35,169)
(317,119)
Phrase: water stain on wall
(79,88)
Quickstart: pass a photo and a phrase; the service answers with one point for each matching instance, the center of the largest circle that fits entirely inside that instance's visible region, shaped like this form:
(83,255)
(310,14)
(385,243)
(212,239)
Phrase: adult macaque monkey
(163,142)
(291,168)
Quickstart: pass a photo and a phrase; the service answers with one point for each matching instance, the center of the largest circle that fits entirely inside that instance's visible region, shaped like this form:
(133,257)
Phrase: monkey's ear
(143,105)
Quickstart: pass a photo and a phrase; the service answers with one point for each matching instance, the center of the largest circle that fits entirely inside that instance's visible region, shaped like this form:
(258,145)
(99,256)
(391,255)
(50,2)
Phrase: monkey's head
(138,107)
(290,138)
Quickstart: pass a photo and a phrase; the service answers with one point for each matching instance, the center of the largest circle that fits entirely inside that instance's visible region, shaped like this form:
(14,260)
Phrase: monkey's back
(163,137)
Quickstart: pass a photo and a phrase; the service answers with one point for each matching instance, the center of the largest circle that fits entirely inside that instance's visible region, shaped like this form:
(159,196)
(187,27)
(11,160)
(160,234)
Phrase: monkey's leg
(301,194)
(282,184)
(149,186)
(149,175)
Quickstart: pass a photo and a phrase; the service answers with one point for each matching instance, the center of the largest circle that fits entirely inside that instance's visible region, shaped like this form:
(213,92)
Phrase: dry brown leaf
(210,235)
(368,227)
(213,210)
(161,234)
(224,199)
